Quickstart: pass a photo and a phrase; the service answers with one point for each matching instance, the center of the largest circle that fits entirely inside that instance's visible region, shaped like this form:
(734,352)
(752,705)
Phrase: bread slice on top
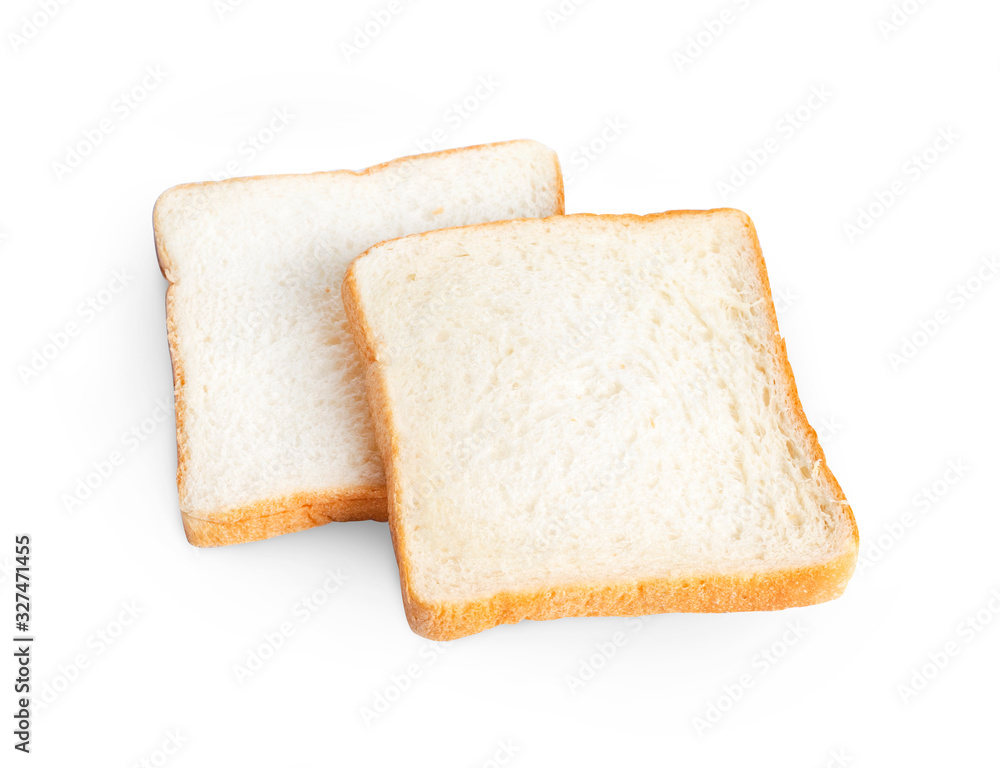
(592,415)
(273,432)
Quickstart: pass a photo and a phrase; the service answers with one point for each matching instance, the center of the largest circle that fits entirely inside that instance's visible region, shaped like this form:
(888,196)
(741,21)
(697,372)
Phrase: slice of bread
(592,415)
(273,431)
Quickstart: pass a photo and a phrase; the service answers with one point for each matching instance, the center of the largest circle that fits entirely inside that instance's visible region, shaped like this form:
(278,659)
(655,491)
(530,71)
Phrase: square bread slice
(592,415)
(273,431)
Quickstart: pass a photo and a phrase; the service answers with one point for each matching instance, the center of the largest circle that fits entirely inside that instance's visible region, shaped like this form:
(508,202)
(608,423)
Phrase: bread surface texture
(273,430)
(592,415)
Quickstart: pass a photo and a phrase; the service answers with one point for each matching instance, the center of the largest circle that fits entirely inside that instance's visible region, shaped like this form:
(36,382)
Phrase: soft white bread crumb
(270,400)
(592,415)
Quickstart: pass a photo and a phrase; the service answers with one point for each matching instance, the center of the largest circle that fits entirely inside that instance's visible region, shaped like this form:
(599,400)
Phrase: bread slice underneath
(273,432)
(592,415)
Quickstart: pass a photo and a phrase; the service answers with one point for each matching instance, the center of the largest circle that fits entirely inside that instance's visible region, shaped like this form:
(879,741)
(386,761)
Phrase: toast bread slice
(273,432)
(589,416)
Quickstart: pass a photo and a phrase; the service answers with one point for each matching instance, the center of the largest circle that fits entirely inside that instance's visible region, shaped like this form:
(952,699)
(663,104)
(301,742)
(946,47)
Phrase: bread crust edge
(276,516)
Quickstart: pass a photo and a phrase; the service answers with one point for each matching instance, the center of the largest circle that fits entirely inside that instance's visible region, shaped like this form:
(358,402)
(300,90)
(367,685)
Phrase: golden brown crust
(180,406)
(561,190)
(760,591)
(757,591)
(272,517)
(381,409)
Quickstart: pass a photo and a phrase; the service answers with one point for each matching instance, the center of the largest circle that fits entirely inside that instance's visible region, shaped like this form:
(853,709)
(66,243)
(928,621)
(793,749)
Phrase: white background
(890,429)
